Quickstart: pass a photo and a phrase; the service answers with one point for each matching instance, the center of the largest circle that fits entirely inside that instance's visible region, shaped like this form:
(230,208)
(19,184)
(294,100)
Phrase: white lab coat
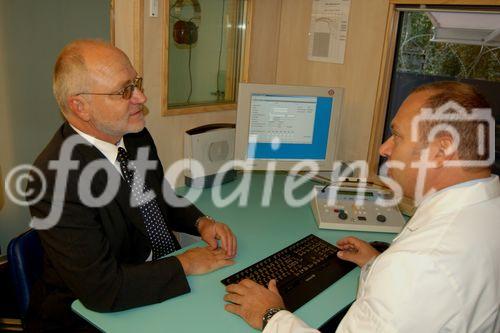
(441,273)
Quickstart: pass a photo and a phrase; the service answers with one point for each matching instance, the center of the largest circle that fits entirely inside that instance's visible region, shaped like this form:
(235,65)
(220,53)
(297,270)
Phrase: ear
(79,106)
(443,149)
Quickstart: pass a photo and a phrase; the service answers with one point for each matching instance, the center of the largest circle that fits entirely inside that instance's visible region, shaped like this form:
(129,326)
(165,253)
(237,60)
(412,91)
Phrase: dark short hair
(468,97)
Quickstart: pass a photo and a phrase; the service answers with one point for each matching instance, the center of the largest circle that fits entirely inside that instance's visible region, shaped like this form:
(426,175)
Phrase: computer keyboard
(302,270)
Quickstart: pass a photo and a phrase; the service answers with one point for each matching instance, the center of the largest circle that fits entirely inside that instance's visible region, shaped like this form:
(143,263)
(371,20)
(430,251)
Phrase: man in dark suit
(112,252)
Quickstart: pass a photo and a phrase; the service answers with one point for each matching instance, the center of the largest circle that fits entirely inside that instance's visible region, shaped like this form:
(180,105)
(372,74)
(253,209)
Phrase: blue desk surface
(261,231)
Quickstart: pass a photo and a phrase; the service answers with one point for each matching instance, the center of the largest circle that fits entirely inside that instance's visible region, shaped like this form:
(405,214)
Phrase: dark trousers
(42,305)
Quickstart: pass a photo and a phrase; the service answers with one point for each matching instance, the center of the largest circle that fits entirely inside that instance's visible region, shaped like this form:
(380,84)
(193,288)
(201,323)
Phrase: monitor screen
(286,124)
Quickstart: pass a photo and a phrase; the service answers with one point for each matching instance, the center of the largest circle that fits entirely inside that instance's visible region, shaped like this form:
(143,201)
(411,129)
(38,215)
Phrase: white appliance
(355,208)
(212,146)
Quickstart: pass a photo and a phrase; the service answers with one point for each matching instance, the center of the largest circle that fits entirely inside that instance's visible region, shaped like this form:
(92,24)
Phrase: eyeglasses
(125,92)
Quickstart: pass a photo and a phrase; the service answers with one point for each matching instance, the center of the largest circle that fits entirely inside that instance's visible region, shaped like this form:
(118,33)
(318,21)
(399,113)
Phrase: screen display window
(355,193)
(289,127)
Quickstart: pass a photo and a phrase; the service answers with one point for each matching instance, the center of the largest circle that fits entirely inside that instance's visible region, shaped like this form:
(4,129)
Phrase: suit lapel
(122,198)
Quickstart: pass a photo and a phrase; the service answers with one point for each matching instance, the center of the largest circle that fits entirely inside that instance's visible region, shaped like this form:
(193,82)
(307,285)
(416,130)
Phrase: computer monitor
(287,124)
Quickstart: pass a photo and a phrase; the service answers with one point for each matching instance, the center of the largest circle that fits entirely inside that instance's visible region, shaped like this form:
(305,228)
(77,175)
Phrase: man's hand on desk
(201,260)
(211,231)
(356,250)
(250,300)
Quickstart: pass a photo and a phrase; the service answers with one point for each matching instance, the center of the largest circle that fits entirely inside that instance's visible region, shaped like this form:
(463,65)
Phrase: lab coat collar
(454,198)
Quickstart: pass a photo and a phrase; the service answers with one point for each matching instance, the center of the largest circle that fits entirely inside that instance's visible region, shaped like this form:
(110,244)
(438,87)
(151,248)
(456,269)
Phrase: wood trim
(11,322)
(278,40)
(139,36)
(2,195)
(128,30)
(231,51)
(447,2)
(201,108)
(245,70)
(165,111)
(112,21)
(383,88)
(165,22)
(381,102)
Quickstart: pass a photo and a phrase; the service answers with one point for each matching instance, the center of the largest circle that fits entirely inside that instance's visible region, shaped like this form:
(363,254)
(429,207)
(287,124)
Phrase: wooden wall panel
(168,132)
(358,75)
(448,2)
(264,39)
(127,29)
(278,54)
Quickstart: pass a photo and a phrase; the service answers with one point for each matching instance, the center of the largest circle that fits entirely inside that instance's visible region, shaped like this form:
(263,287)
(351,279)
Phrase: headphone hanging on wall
(186,31)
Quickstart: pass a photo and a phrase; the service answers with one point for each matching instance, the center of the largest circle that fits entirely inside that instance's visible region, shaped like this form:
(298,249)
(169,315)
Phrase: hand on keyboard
(356,250)
(301,270)
(289,264)
(250,300)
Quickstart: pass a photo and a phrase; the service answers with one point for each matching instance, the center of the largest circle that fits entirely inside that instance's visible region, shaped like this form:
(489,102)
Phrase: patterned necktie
(162,242)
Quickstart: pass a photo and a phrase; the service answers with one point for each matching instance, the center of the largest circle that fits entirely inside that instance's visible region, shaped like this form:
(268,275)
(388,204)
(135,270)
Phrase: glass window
(205,43)
(423,56)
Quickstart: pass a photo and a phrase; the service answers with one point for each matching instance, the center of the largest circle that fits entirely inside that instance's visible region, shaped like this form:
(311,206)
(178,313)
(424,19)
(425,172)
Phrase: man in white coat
(442,272)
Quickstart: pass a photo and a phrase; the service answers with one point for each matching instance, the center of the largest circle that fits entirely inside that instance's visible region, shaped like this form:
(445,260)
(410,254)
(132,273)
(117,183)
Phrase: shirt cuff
(286,322)
(274,320)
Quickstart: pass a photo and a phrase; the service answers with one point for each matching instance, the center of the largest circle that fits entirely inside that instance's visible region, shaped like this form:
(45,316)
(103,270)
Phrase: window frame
(384,82)
(208,107)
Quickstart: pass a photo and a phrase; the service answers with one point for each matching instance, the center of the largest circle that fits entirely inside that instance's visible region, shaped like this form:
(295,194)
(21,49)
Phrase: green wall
(32,32)
(204,55)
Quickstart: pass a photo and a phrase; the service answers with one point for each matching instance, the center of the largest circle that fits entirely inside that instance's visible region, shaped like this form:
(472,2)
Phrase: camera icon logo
(454,119)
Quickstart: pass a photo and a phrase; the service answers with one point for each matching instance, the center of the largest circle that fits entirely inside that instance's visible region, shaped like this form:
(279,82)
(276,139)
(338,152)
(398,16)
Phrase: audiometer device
(355,208)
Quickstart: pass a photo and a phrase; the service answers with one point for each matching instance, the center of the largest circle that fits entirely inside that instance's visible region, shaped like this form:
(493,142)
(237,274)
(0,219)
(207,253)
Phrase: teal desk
(261,231)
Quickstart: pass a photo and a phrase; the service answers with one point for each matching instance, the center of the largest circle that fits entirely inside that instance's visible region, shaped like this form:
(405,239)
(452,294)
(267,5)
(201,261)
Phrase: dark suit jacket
(98,254)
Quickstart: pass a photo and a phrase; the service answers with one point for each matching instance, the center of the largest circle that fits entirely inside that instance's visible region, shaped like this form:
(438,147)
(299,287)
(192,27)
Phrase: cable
(190,76)
(403,46)
(463,68)
(475,62)
(218,92)
(491,50)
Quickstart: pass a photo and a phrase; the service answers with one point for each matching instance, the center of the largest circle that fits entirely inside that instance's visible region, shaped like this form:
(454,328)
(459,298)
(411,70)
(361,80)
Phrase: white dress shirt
(110,151)
(441,273)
